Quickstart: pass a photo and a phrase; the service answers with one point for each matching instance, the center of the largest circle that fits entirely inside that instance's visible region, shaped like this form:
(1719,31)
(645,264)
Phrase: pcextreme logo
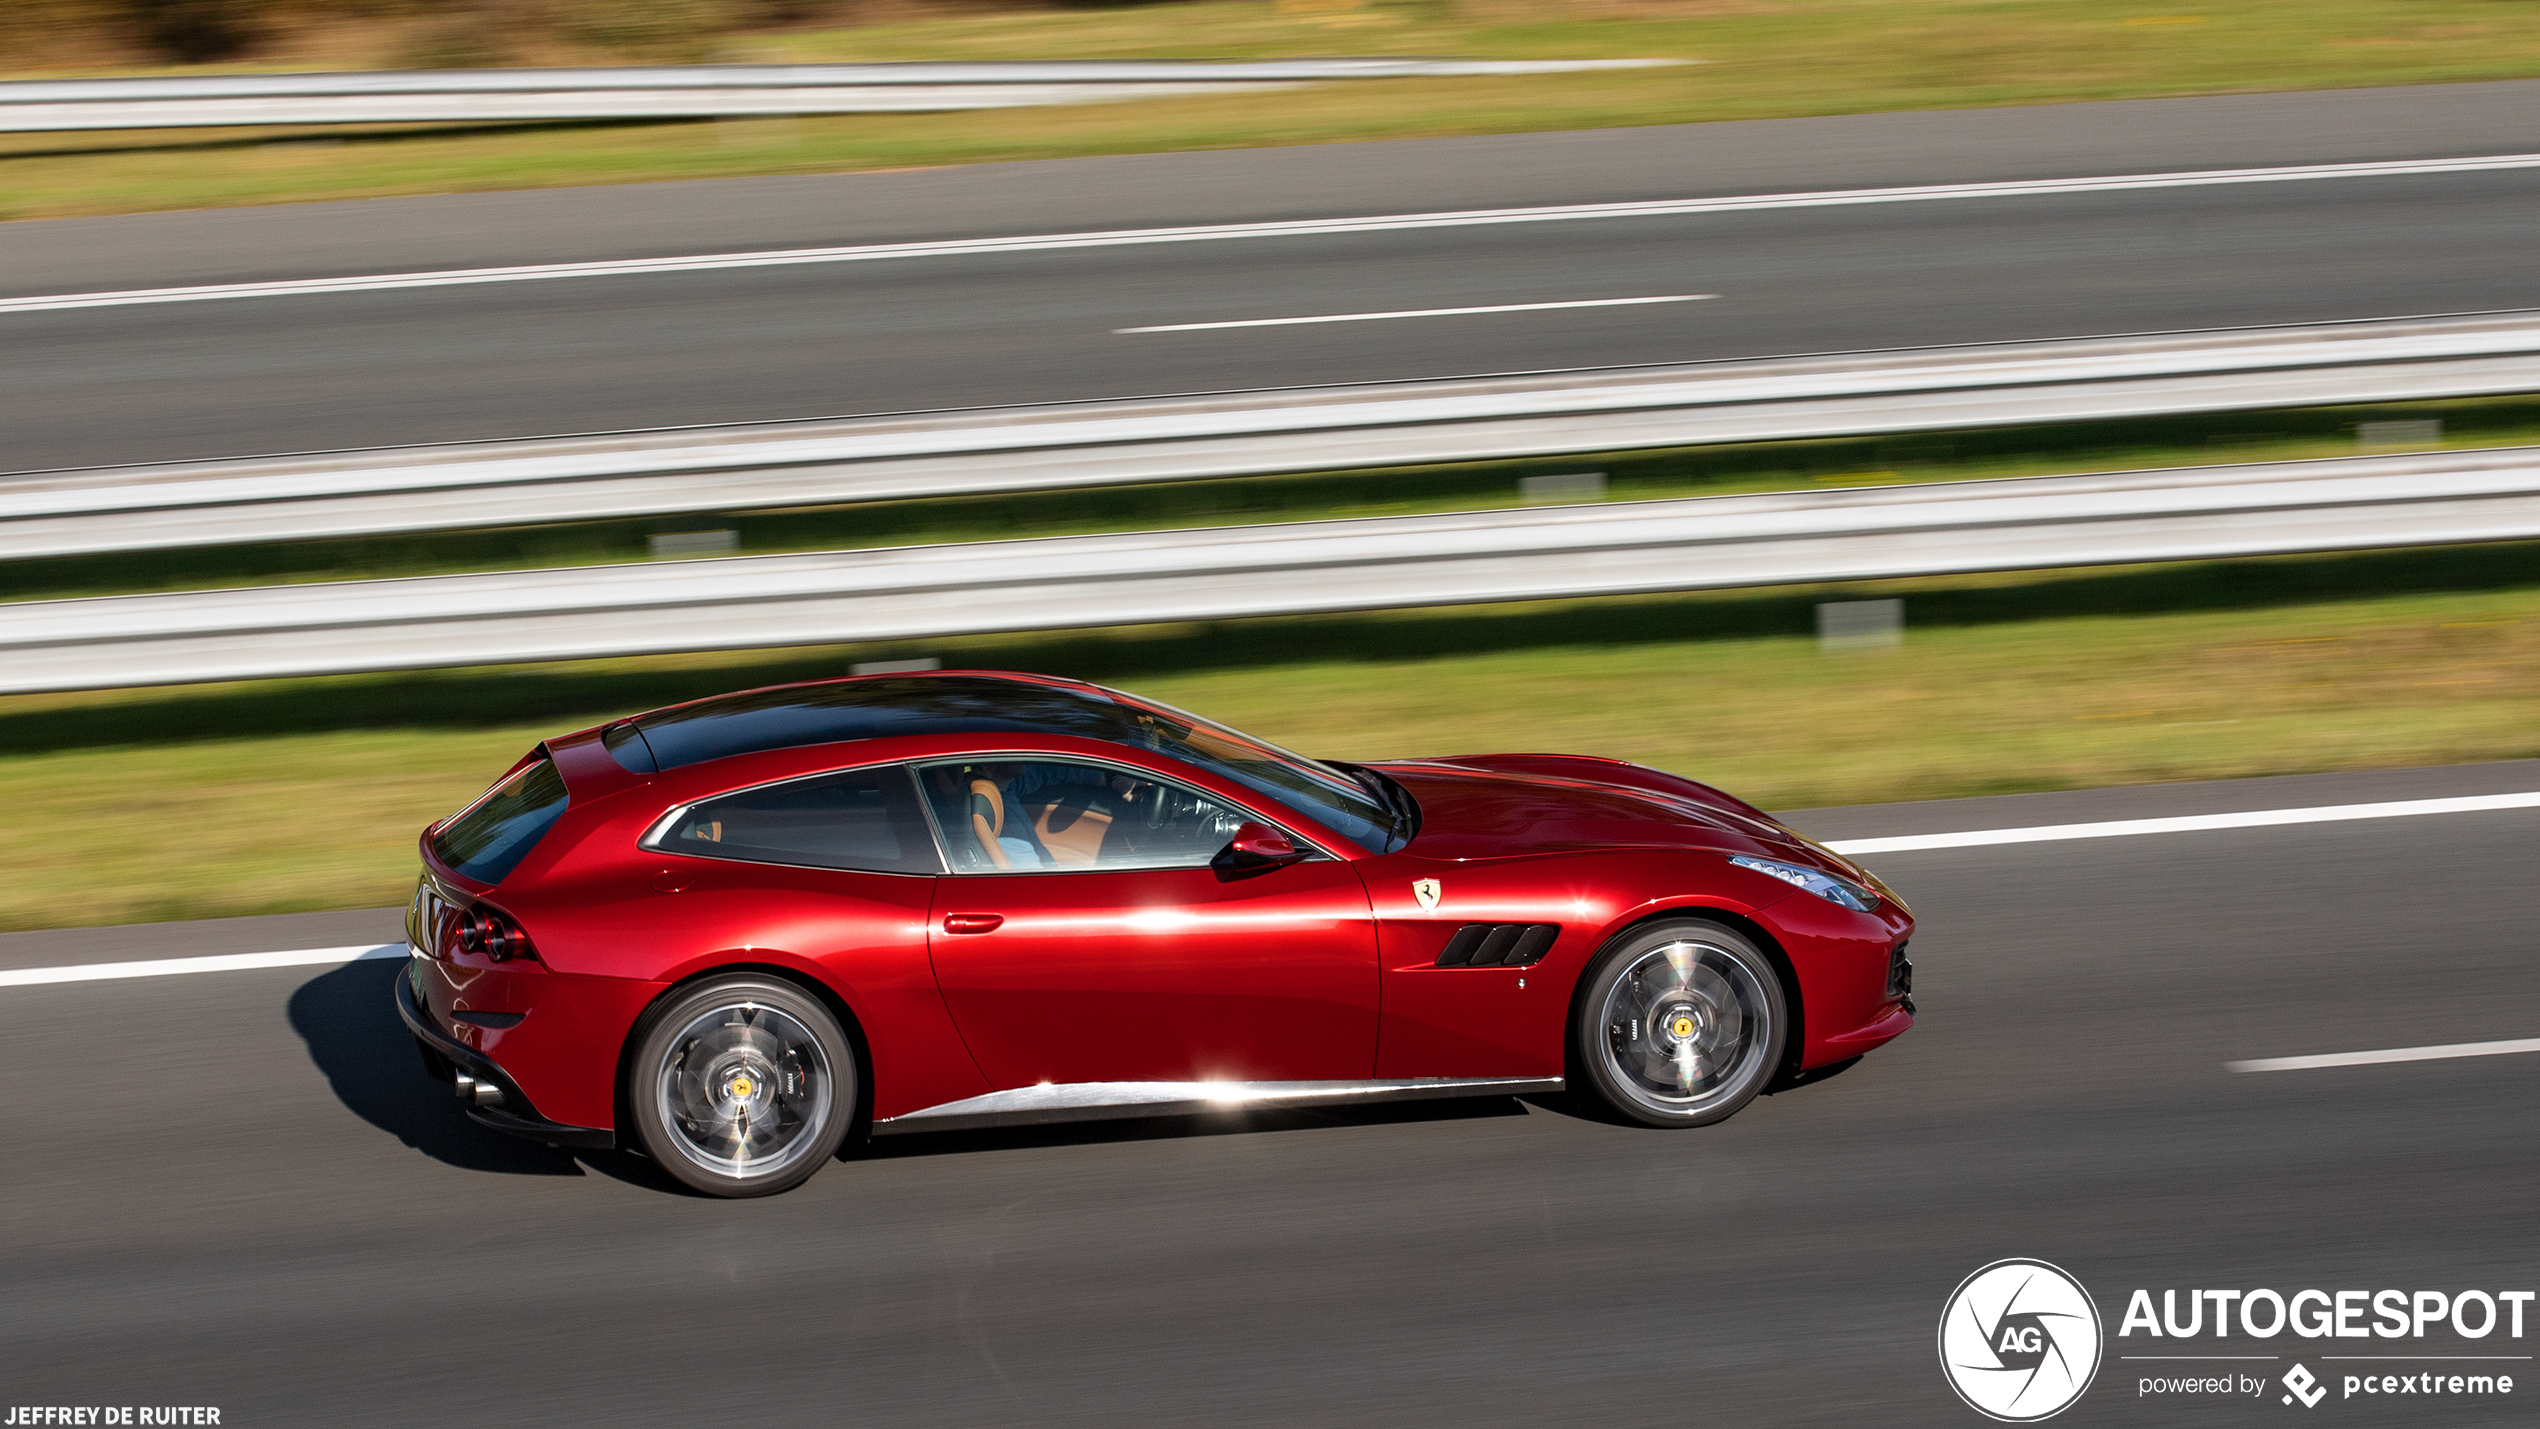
(2305,1386)
(2019,1340)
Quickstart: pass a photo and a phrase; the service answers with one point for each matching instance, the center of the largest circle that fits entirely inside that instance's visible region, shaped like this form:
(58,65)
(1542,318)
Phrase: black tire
(1680,1023)
(742,1085)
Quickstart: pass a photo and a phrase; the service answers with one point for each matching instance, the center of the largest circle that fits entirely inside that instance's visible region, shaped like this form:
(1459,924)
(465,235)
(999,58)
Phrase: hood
(1513,805)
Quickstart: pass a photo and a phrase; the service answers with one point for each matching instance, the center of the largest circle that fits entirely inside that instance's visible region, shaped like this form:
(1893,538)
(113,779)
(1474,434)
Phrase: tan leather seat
(986,825)
(1073,833)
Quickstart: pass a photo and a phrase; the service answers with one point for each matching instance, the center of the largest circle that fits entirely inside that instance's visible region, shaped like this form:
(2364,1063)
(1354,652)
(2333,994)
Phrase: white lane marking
(1299,228)
(2393,1054)
(1420,313)
(233,962)
(2192,823)
(223,963)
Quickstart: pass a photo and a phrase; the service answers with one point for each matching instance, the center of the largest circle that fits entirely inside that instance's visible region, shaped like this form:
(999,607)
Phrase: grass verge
(295,795)
(1795,57)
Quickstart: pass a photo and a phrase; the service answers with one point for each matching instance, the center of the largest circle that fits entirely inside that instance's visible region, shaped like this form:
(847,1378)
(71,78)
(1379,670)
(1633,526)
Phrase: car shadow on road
(347,1018)
(1809,1078)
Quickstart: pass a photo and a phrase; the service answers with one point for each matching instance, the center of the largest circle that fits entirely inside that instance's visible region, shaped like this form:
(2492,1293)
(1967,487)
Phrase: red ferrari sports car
(728,933)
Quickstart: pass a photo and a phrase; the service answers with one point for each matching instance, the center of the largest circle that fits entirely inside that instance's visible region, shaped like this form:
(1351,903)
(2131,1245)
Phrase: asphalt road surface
(238,1190)
(172,382)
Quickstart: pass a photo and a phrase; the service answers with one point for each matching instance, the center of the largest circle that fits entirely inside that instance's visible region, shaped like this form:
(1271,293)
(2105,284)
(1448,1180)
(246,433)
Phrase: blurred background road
(222,1192)
(182,381)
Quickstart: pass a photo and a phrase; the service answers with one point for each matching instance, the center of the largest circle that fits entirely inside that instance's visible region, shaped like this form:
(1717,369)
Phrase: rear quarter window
(494,834)
(861,819)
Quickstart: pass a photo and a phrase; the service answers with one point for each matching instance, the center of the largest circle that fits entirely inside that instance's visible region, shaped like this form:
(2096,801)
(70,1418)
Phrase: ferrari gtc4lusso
(729,933)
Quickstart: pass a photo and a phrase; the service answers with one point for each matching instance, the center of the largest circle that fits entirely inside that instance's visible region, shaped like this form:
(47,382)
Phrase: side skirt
(1100,1101)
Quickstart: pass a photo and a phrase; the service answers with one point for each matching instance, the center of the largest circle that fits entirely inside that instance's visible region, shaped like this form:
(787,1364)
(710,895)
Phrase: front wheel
(742,1086)
(1681,1023)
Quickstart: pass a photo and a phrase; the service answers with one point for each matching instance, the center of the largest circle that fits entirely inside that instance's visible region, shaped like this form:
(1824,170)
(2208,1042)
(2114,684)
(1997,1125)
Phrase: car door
(1083,937)
(834,869)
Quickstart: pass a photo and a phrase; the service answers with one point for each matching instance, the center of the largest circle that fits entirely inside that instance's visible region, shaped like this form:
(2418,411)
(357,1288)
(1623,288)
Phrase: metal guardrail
(1256,433)
(764,601)
(425,96)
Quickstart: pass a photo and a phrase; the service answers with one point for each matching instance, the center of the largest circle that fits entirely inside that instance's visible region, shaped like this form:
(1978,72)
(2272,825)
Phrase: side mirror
(1256,848)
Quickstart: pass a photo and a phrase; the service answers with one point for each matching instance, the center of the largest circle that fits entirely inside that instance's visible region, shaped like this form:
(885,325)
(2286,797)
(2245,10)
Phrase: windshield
(1331,798)
(497,832)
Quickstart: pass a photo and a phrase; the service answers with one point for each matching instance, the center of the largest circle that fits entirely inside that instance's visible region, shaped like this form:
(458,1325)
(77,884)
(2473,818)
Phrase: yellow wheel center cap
(743,1086)
(1682,1026)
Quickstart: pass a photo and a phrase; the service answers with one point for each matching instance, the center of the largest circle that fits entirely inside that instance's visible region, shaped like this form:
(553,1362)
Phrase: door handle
(973,922)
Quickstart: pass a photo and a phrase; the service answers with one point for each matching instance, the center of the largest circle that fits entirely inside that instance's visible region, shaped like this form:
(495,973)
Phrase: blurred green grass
(291,795)
(1759,60)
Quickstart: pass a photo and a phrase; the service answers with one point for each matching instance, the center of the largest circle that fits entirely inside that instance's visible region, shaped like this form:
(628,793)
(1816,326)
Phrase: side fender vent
(1499,945)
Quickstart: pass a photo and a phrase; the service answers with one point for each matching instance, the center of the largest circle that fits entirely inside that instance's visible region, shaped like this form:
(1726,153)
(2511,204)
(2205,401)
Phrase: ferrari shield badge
(1426,890)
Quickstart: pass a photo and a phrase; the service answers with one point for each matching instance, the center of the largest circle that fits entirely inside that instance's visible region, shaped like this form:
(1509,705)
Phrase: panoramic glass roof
(792,715)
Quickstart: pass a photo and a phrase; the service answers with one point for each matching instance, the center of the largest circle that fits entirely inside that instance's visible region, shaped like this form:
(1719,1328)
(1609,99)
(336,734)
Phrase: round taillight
(492,934)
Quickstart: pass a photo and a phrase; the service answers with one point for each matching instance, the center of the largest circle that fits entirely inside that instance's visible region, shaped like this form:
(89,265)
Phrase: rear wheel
(1681,1023)
(742,1086)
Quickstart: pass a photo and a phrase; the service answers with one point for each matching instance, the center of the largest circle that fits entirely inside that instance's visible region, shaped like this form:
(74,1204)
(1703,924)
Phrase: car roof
(868,707)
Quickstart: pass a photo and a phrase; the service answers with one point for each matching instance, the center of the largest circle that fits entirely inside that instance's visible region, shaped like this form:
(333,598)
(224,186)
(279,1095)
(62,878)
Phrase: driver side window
(1053,815)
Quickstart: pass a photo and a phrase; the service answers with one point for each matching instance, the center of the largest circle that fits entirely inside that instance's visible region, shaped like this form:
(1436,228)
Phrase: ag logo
(2019,1340)
(1426,890)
